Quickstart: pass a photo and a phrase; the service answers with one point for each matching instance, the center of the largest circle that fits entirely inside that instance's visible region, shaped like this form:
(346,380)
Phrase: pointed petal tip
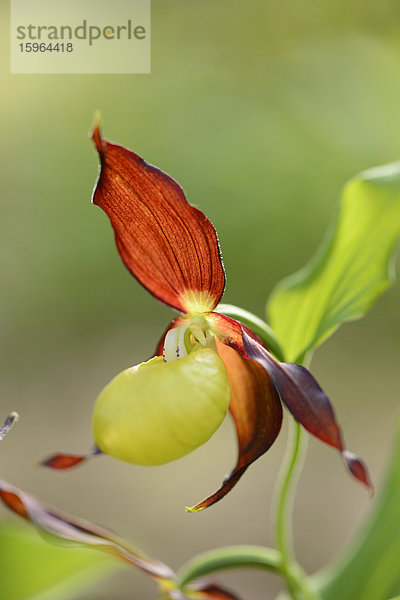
(95,132)
(62,462)
(194,509)
(358,469)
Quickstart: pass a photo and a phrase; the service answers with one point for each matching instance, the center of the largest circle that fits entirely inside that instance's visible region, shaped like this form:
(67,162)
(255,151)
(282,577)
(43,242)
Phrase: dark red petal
(166,243)
(307,402)
(51,521)
(256,410)
(298,389)
(62,462)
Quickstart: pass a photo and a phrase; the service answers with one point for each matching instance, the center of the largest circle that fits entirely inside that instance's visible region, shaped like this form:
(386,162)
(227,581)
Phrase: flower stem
(298,586)
(233,557)
(228,558)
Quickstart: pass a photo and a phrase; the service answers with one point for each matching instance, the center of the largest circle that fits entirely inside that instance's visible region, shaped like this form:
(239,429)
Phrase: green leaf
(33,569)
(350,270)
(371,567)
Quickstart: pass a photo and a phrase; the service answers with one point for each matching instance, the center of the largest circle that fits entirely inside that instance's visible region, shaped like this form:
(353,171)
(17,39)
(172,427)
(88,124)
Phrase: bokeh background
(261,110)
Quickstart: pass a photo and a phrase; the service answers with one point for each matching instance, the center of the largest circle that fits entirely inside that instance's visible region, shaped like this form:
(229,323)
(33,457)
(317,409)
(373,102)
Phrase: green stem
(298,586)
(228,558)
(233,557)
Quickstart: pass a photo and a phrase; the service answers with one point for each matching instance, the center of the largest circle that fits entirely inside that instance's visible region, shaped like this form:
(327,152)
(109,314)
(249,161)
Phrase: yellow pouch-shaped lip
(158,411)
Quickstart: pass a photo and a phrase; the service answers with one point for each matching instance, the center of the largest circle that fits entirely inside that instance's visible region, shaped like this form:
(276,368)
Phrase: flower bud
(158,411)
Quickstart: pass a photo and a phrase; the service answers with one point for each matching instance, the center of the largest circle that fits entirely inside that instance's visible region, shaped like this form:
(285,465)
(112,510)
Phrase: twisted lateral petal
(298,389)
(256,411)
(68,528)
(307,402)
(167,244)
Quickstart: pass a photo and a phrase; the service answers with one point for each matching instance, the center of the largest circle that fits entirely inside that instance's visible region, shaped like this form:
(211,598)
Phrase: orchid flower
(206,362)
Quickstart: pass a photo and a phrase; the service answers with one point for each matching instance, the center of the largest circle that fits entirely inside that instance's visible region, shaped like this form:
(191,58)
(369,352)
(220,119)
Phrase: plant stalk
(296,580)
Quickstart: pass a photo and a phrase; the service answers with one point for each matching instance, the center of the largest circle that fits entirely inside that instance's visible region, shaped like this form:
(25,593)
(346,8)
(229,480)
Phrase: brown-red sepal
(61,526)
(62,462)
(167,244)
(257,413)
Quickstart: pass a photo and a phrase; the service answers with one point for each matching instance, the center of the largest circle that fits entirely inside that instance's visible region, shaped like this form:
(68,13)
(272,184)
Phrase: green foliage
(351,269)
(371,568)
(32,568)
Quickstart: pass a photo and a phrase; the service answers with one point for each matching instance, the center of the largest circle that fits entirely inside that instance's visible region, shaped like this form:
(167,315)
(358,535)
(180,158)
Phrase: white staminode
(179,342)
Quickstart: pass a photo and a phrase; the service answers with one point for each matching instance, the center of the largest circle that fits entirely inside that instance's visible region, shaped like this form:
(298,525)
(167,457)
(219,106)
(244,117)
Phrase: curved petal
(298,389)
(167,244)
(49,520)
(256,410)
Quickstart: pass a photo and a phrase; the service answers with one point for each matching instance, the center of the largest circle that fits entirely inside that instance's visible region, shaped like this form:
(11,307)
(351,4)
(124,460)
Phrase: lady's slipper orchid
(206,362)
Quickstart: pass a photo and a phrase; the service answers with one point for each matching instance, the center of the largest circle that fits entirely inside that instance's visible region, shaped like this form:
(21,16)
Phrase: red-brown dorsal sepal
(167,244)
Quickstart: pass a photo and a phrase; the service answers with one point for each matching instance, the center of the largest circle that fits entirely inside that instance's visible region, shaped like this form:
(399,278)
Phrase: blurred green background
(262,111)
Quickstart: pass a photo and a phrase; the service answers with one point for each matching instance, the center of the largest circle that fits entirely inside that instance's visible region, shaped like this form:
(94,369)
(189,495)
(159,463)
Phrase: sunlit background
(261,110)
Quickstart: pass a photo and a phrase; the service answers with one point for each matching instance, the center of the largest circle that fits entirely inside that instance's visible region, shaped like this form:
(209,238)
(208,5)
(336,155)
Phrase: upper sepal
(167,244)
